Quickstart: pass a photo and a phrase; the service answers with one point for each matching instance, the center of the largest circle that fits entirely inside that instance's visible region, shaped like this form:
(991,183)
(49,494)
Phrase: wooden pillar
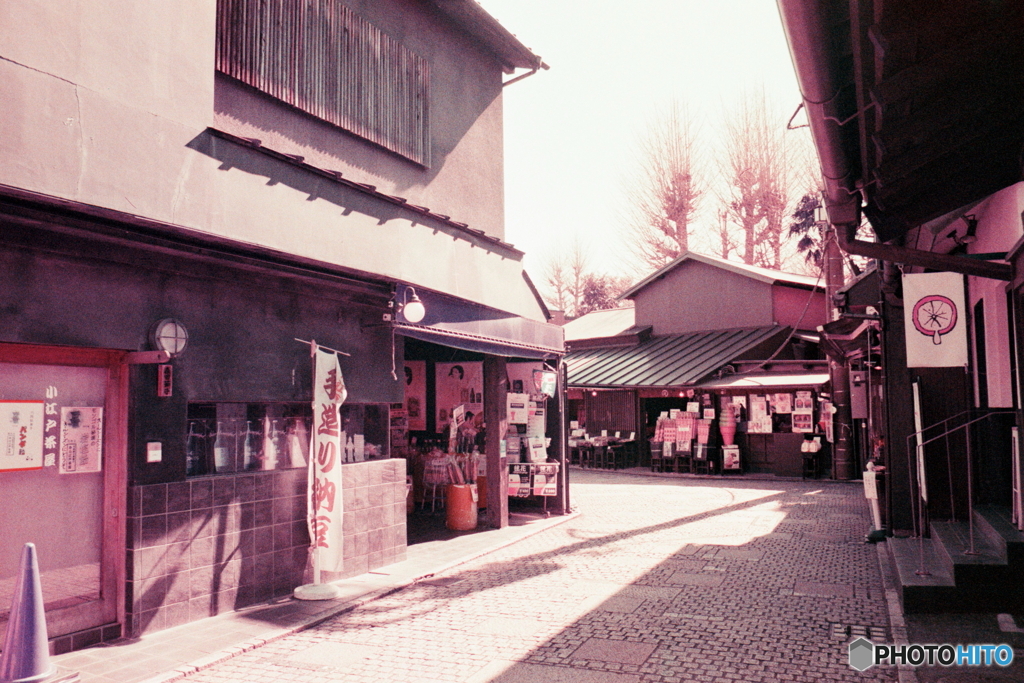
(495,388)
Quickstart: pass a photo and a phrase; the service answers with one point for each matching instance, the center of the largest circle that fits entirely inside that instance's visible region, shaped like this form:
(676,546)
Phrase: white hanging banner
(325,510)
(935,320)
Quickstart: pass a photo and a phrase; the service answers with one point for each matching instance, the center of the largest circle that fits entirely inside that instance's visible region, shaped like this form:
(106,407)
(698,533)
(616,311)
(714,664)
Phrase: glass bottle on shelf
(252,447)
(195,449)
(271,443)
(223,442)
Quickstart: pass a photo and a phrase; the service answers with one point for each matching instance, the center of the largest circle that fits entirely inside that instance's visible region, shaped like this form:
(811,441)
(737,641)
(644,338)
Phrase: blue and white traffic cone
(26,654)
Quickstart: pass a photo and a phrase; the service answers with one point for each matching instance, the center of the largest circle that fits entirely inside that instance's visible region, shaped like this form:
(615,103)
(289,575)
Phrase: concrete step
(981,561)
(995,522)
(925,577)
(941,574)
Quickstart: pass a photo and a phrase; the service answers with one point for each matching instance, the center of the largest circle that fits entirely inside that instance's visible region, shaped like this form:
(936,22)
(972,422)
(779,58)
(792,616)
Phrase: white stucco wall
(999,229)
(101,102)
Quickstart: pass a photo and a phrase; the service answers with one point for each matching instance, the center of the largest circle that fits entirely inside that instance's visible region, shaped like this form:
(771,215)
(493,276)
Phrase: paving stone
(333,655)
(823,590)
(696,579)
(617,651)
(620,603)
(509,626)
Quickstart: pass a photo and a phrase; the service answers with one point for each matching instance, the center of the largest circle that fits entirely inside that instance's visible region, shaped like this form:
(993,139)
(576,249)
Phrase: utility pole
(842,463)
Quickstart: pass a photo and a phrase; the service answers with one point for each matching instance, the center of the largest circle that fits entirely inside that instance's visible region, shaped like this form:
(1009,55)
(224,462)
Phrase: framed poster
(416,394)
(21,435)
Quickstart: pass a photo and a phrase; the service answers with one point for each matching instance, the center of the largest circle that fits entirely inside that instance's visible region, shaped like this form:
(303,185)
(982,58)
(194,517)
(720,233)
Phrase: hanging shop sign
(21,435)
(81,440)
(325,484)
(934,320)
(544,382)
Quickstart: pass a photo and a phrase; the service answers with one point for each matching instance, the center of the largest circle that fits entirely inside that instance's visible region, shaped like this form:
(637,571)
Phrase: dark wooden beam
(494,417)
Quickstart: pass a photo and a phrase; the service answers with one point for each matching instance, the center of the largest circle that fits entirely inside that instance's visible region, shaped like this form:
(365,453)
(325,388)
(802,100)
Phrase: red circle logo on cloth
(934,316)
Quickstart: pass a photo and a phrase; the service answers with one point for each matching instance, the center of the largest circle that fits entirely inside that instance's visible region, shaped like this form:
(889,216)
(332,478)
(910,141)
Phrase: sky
(571,132)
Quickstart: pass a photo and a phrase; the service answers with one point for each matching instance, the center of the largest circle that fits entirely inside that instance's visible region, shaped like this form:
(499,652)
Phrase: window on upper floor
(322,58)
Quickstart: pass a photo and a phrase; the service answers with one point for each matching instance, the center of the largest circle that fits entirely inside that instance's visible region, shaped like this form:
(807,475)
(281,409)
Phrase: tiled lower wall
(215,544)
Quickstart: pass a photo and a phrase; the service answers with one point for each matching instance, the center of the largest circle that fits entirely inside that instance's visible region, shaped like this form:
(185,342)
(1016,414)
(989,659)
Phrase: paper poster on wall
(782,403)
(81,440)
(536,423)
(458,384)
(518,408)
(416,394)
(803,403)
(758,407)
(21,435)
(803,422)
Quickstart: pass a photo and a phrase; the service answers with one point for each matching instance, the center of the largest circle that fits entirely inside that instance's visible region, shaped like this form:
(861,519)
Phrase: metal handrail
(919,523)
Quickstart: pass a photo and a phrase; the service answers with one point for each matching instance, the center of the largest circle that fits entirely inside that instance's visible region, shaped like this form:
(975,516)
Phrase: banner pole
(315,590)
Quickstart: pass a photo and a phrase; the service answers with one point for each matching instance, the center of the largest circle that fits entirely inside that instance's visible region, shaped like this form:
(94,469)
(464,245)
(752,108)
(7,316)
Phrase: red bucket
(461,507)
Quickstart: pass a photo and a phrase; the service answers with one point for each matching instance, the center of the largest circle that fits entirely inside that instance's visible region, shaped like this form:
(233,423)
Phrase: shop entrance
(62,479)
(441,430)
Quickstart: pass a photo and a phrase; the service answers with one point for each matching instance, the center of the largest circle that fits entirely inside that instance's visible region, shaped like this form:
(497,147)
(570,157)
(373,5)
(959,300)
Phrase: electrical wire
(810,298)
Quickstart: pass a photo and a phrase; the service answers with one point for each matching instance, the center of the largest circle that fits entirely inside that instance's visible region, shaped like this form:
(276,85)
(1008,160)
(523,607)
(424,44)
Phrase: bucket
(461,507)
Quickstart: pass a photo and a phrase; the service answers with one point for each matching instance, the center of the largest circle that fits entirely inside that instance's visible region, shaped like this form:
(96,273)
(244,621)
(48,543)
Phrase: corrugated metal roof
(600,324)
(670,361)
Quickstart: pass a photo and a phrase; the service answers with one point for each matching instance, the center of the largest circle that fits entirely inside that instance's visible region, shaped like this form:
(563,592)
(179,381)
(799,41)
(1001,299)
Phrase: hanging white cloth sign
(935,320)
(325,509)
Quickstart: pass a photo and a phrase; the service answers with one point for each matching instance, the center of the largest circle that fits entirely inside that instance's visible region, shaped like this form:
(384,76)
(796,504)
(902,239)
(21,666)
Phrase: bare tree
(666,195)
(565,277)
(757,174)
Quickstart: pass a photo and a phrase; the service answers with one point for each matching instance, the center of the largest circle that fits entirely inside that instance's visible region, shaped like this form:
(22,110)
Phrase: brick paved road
(658,580)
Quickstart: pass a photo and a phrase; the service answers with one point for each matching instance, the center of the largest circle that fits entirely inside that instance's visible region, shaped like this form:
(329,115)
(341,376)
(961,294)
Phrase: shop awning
(772,380)
(480,343)
(669,361)
(468,326)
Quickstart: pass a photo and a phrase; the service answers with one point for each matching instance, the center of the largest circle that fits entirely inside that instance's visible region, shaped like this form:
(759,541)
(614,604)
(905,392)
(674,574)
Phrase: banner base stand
(317,591)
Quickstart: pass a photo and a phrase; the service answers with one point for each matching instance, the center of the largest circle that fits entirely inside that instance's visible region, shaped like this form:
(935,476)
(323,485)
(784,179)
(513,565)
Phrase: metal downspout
(820,86)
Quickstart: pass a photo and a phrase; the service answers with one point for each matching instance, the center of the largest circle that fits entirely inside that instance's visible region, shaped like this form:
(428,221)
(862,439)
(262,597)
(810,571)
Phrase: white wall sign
(935,320)
(81,440)
(21,435)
